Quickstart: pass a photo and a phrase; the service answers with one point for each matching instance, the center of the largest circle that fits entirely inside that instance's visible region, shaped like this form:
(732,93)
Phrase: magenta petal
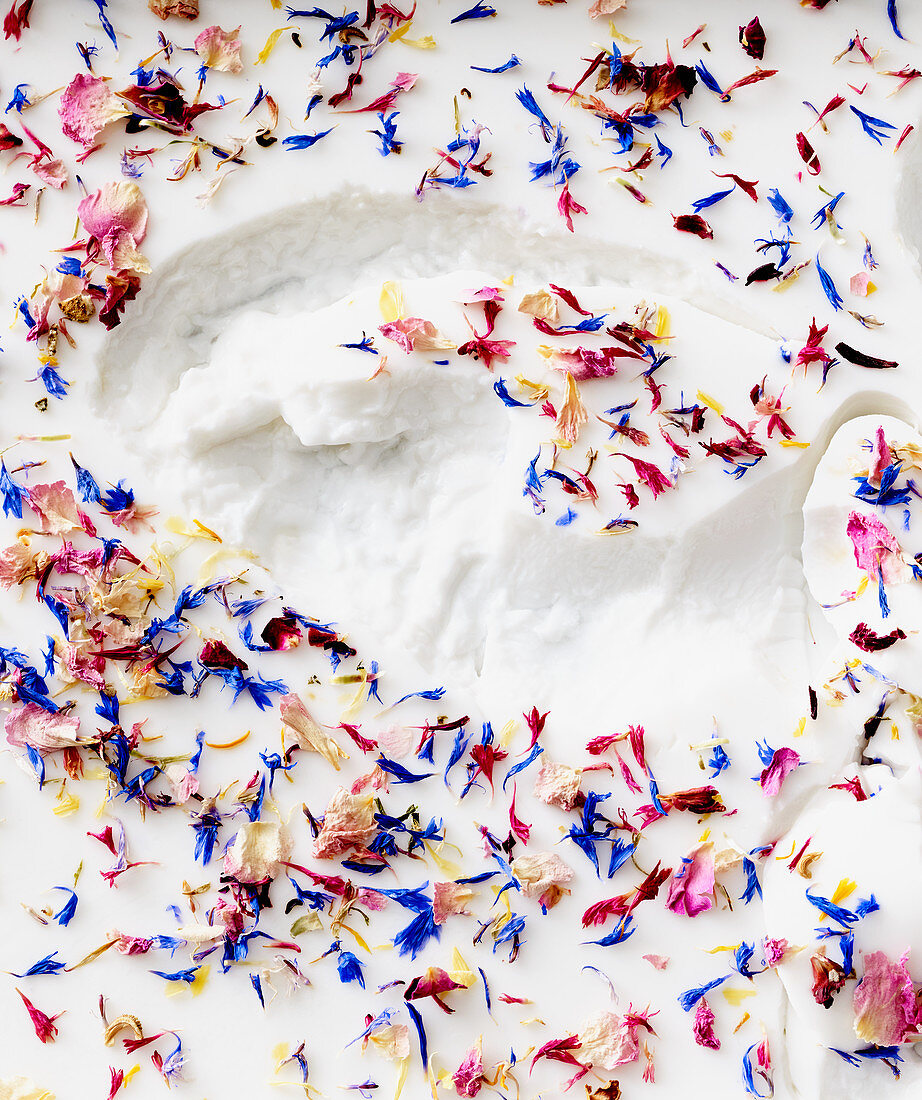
(876,549)
(691,890)
(784,761)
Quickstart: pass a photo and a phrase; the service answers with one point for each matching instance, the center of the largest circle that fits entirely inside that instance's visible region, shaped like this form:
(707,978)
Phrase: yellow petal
(402,1079)
(661,328)
(711,402)
(737,996)
(271,41)
(391,303)
(67,804)
(846,887)
(196,531)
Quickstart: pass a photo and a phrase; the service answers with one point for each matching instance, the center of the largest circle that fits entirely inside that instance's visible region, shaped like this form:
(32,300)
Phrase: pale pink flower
(16,563)
(859,284)
(484,294)
(259,849)
(599,8)
(84,665)
(51,171)
(183,783)
(536,873)
(660,962)
(609,1040)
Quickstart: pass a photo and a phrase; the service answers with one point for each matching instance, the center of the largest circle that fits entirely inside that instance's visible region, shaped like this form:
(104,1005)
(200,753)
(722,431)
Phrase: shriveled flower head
(182,9)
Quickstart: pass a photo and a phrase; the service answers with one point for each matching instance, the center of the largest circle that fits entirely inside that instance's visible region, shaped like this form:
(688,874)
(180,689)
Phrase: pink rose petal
(704,1026)
(881,459)
(558,784)
(858,284)
(468,1077)
(45,732)
(691,890)
(220,50)
(783,762)
(87,106)
(877,551)
(884,1000)
(56,508)
(115,207)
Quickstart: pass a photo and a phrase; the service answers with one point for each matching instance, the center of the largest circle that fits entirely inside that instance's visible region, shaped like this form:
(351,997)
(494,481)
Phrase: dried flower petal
(220,50)
(558,784)
(348,822)
(884,1000)
(258,850)
(87,106)
(308,734)
(41,730)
